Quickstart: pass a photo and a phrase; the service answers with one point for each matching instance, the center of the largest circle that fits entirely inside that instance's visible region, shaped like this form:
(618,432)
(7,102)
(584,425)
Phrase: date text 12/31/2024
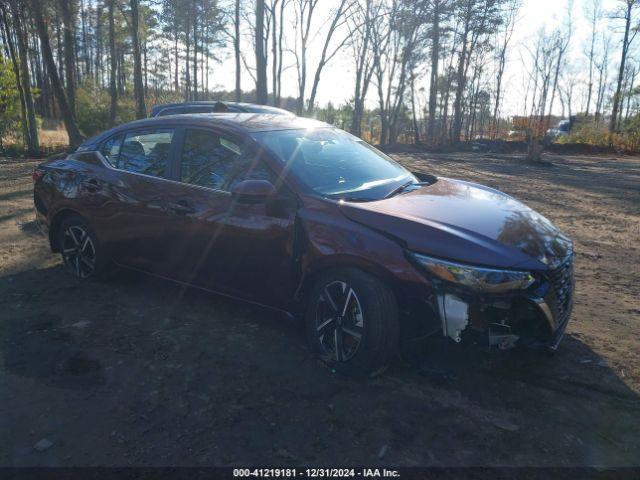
(315,473)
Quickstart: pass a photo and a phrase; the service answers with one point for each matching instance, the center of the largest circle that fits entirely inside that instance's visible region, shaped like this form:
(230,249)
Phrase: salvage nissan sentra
(299,216)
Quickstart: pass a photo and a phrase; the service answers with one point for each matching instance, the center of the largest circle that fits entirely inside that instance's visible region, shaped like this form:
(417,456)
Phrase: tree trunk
(274,54)
(325,57)
(363,73)
(138,88)
(509,22)
(98,59)
(236,51)
(534,149)
(416,131)
(176,79)
(75,137)
(187,69)
(433,84)
(456,128)
(113,92)
(59,47)
(145,68)
(195,54)
(623,59)
(280,52)
(33,146)
(85,41)
(261,61)
(594,24)
(11,50)
(68,20)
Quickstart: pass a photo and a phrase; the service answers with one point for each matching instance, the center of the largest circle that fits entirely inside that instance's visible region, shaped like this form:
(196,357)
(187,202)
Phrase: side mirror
(253,190)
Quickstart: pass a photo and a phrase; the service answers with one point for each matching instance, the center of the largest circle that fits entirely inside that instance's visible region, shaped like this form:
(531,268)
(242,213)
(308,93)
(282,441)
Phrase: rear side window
(213,161)
(146,152)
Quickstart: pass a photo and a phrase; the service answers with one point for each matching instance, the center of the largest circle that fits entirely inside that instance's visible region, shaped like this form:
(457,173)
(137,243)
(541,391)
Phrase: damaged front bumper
(534,318)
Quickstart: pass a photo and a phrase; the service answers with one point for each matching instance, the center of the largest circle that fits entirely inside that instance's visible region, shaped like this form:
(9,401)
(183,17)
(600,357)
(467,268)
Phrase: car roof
(249,107)
(232,122)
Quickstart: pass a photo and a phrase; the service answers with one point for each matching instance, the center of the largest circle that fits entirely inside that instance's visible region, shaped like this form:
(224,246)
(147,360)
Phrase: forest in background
(423,71)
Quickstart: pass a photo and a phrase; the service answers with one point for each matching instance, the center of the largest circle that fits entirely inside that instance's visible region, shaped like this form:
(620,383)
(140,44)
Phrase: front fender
(331,240)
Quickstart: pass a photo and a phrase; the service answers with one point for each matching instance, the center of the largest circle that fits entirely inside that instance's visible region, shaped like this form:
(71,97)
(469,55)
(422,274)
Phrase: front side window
(214,161)
(111,149)
(336,164)
(146,152)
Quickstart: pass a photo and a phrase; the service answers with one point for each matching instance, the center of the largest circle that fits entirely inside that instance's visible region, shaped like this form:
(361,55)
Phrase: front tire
(352,322)
(82,255)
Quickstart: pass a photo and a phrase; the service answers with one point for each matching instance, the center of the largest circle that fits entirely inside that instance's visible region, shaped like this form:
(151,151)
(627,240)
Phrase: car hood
(466,222)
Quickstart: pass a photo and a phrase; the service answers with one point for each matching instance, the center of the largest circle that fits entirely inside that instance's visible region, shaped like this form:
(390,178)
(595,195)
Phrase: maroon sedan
(299,216)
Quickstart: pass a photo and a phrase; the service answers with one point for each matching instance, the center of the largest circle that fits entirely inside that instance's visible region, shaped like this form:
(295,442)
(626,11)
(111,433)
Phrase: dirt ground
(138,371)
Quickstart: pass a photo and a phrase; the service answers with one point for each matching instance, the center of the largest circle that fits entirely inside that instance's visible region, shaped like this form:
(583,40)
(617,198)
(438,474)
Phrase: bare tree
(630,91)
(10,49)
(23,75)
(113,91)
(261,60)
(236,50)
(509,16)
(543,65)
(477,19)
(626,13)
(395,45)
(414,117)
(304,10)
(75,137)
(276,9)
(360,25)
(280,55)
(438,11)
(339,18)
(562,40)
(602,66)
(566,91)
(594,14)
(68,12)
(138,90)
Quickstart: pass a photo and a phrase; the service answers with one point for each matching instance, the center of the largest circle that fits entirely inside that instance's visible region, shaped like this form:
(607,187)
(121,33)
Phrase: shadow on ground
(139,371)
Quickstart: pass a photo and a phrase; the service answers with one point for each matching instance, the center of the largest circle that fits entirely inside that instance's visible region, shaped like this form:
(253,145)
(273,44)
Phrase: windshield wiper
(356,199)
(404,186)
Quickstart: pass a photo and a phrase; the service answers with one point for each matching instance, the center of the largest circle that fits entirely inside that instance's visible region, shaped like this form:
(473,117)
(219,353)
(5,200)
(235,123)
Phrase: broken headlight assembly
(481,279)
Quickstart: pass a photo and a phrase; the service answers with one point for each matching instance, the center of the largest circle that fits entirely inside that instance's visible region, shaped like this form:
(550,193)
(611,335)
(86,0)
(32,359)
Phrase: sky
(337,78)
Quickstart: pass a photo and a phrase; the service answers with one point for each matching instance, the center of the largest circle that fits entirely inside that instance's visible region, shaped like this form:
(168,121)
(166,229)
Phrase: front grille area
(562,282)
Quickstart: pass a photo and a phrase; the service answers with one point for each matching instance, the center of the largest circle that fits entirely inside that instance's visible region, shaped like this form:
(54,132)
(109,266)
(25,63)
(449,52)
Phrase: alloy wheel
(339,321)
(78,252)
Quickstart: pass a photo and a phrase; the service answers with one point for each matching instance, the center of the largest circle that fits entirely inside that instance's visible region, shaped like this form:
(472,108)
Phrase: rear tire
(352,322)
(82,255)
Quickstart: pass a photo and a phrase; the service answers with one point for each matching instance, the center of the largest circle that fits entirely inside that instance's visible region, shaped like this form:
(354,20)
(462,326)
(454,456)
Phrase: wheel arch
(57,219)
(417,317)
(320,267)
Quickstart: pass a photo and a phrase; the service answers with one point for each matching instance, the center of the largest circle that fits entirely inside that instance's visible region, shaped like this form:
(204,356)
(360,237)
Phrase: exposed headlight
(476,278)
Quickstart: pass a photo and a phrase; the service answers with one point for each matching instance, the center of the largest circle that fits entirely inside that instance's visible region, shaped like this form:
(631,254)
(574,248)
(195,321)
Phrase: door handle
(181,207)
(92,185)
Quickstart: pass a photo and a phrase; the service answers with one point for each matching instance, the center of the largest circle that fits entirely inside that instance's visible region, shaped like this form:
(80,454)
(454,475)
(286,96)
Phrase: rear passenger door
(132,222)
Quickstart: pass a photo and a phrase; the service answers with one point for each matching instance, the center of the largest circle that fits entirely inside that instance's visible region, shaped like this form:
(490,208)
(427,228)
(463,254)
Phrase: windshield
(336,164)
